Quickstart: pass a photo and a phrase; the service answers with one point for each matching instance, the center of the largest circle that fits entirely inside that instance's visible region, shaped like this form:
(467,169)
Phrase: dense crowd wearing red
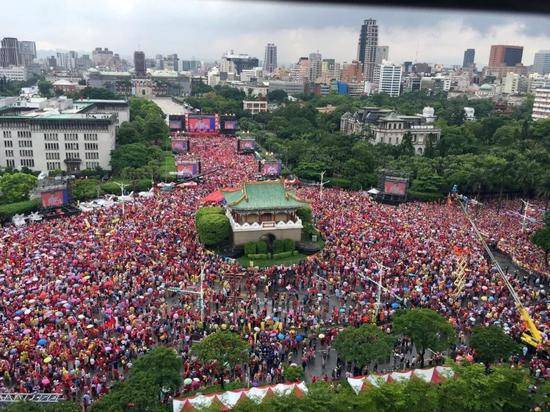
(81,297)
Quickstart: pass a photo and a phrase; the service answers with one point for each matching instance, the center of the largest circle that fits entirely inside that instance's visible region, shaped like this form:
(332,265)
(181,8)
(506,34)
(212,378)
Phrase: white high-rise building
(541,105)
(270,58)
(315,66)
(541,64)
(390,79)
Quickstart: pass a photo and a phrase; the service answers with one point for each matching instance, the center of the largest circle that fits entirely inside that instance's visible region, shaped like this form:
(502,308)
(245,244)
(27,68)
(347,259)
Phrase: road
(168,106)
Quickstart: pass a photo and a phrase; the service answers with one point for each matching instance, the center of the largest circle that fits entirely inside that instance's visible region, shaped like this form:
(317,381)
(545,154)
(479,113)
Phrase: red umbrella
(214,197)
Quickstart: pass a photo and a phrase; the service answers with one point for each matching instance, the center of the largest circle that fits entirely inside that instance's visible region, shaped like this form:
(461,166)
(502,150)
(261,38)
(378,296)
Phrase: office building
(541,65)
(300,72)
(16,73)
(330,70)
(235,63)
(27,52)
(290,87)
(103,57)
(171,63)
(255,106)
(9,52)
(503,55)
(407,67)
(315,66)
(139,64)
(270,58)
(390,79)
(190,65)
(59,134)
(469,56)
(382,53)
(366,50)
(351,72)
(541,105)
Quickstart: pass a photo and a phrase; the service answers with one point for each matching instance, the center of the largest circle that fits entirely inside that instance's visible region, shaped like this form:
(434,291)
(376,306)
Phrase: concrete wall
(240,238)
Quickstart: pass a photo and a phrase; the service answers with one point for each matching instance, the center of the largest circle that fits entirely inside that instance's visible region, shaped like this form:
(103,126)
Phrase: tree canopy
(491,344)
(426,328)
(363,345)
(15,187)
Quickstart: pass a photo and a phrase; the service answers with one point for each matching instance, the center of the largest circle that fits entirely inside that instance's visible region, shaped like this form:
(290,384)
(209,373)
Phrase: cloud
(206,29)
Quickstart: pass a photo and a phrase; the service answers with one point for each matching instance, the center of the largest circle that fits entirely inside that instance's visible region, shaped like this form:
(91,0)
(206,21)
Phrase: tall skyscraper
(469,56)
(27,51)
(541,64)
(139,63)
(366,50)
(270,59)
(315,66)
(171,62)
(503,55)
(9,52)
(390,79)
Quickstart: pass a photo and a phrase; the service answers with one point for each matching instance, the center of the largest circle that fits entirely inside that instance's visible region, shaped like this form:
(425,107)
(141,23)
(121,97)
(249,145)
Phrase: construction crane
(532,335)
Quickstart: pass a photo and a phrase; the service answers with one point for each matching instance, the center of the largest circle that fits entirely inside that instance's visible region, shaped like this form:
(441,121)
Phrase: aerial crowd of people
(81,297)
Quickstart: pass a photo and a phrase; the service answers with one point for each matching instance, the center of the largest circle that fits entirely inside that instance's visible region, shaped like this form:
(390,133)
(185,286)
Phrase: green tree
(133,155)
(156,130)
(363,345)
(15,187)
(491,344)
(426,328)
(293,373)
(213,229)
(45,88)
(86,189)
(128,133)
(63,406)
(541,237)
(223,349)
(277,96)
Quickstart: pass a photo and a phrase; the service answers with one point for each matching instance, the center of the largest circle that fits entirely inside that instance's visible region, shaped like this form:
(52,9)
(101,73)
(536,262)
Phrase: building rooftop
(269,195)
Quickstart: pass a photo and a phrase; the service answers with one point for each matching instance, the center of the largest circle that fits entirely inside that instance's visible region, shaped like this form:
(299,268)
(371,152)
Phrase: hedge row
(263,256)
(425,196)
(252,248)
(9,210)
(286,245)
(283,255)
(260,247)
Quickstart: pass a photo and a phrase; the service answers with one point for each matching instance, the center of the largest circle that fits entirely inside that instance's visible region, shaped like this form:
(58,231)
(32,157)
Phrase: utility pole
(525,206)
(122,186)
(200,293)
(322,184)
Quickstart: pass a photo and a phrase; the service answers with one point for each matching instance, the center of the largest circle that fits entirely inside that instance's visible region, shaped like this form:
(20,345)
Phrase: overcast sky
(206,29)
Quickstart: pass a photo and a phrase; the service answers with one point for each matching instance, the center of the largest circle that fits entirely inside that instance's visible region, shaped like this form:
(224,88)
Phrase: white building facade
(390,79)
(541,105)
(16,73)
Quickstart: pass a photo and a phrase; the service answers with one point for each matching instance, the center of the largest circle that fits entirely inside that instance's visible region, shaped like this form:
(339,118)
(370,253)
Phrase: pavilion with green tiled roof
(263,208)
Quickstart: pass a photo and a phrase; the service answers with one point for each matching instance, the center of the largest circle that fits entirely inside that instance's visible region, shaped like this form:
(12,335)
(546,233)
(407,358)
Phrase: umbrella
(299,338)
(281,336)
(48,359)
(42,342)
(321,335)
(395,305)
(45,381)
(13,351)
(187,381)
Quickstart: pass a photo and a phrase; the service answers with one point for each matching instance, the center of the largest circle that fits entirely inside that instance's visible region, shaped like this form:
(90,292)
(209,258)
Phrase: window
(92,155)
(27,163)
(8,143)
(52,156)
(9,153)
(23,133)
(51,146)
(71,146)
(7,134)
(53,165)
(25,153)
(10,163)
(92,165)
(71,155)
(50,136)
(71,137)
(90,146)
(25,143)
(90,136)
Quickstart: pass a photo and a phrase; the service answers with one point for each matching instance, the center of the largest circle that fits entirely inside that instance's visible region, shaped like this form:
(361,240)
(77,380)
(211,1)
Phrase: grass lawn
(168,164)
(291,260)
